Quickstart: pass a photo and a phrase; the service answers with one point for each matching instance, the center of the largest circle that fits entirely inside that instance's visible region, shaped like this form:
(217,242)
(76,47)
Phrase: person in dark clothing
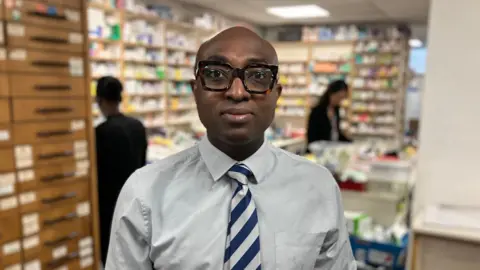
(324,120)
(121,149)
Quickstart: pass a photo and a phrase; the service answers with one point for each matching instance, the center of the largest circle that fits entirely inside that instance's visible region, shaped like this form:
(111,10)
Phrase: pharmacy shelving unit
(374,68)
(153,58)
(378,89)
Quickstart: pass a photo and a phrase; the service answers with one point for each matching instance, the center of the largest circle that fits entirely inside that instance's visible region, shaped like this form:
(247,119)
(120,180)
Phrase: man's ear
(279,89)
(193,84)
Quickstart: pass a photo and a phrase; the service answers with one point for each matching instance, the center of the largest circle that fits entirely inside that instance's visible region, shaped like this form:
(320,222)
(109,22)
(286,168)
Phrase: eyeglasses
(219,76)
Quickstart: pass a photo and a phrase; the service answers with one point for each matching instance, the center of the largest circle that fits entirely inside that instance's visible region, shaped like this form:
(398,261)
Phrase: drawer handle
(52,87)
(63,197)
(57,177)
(53,110)
(61,239)
(43,134)
(50,39)
(56,155)
(50,63)
(67,217)
(49,16)
(58,262)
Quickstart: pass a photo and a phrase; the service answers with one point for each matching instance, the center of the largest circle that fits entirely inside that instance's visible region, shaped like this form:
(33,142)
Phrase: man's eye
(259,75)
(214,74)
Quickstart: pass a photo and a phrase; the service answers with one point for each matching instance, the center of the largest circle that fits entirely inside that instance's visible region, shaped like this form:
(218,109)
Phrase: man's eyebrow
(257,61)
(217,57)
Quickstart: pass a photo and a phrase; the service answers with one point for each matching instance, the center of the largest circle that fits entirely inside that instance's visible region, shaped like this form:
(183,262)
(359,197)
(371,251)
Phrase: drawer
(7,158)
(4,92)
(25,61)
(64,3)
(26,36)
(5,135)
(5,115)
(39,14)
(10,228)
(49,175)
(10,253)
(27,156)
(47,86)
(52,197)
(50,132)
(48,109)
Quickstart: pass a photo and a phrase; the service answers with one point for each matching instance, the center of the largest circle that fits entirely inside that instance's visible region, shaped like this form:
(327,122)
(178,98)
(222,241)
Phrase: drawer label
(86,252)
(27,197)
(4,135)
(7,179)
(59,252)
(7,190)
(86,262)
(72,15)
(33,265)
(83,209)
(8,203)
(11,248)
(77,125)
(85,242)
(15,30)
(82,168)
(76,66)
(76,38)
(31,242)
(30,224)
(23,156)
(17,55)
(63,267)
(16,266)
(26,176)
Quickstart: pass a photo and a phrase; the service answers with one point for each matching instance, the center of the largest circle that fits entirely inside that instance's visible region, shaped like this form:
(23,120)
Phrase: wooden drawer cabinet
(44,39)
(23,60)
(47,86)
(4,89)
(5,115)
(50,132)
(3,59)
(8,184)
(52,197)
(50,175)
(5,135)
(48,109)
(10,228)
(40,14)
(7,158)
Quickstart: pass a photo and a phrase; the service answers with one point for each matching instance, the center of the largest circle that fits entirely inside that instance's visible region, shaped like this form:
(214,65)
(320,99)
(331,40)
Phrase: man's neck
(237,152)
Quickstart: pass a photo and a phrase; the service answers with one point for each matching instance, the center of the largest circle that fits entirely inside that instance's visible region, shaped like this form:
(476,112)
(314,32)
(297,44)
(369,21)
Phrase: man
(121,149)
(233,201)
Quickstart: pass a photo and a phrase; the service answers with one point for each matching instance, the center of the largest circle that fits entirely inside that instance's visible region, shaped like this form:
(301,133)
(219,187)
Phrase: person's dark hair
(333,87)
(109,88)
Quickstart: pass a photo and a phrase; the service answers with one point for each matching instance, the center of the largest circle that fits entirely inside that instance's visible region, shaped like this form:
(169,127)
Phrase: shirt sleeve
(129,246)
(336,252)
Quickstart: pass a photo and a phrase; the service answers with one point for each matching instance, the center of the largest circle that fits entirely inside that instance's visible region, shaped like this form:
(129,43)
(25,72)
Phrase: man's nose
(237,91)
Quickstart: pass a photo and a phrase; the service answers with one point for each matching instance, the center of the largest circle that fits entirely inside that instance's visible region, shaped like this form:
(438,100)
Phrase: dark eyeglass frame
(237,73)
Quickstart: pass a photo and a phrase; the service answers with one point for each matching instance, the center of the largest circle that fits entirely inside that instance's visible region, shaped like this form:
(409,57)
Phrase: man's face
(236,116)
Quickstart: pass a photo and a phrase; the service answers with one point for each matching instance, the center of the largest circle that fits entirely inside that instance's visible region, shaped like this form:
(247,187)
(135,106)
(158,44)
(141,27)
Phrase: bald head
(238,46)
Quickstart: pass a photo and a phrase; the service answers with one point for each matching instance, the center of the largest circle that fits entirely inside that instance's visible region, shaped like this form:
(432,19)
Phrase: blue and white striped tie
(243,238)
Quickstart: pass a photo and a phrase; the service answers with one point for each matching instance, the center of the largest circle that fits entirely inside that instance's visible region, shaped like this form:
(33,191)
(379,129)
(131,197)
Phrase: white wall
(449,155)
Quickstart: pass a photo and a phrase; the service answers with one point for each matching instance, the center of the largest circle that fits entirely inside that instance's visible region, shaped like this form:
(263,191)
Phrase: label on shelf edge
(15,30)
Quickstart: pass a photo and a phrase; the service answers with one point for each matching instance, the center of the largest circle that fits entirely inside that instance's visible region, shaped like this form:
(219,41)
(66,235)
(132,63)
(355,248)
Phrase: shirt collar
(218,163)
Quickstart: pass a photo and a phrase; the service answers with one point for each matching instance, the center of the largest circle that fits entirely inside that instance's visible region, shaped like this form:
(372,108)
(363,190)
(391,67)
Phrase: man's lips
(237,116)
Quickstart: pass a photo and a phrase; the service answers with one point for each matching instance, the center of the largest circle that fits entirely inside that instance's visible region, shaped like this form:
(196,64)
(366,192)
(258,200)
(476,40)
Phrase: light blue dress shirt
(173,214)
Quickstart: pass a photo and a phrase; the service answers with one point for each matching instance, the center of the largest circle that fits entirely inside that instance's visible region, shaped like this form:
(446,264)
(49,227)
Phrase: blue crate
(380,254)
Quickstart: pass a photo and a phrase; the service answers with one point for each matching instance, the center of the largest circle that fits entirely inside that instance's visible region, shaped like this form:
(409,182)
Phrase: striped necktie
(243,238)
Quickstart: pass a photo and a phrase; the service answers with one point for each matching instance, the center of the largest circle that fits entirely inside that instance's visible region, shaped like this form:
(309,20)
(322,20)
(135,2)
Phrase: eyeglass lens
(219,77)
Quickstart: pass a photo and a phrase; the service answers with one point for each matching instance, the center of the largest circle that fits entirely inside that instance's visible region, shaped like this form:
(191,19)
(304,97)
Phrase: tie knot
(240,172)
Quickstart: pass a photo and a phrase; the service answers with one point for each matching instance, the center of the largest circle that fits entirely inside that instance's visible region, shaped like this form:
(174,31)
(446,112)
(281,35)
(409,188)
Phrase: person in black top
(121,149)
(324,120)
